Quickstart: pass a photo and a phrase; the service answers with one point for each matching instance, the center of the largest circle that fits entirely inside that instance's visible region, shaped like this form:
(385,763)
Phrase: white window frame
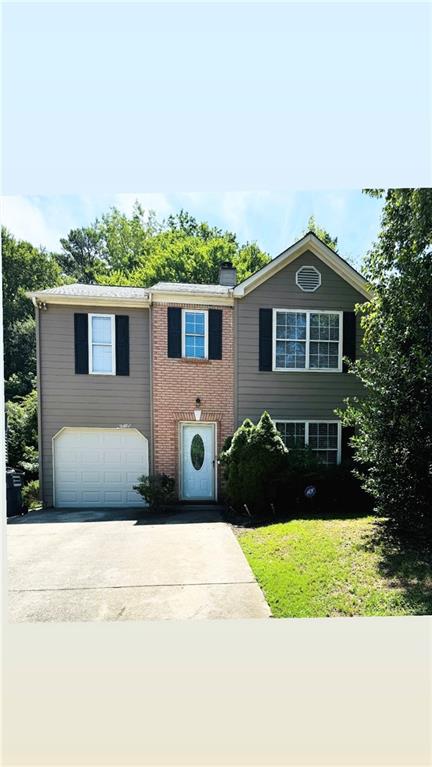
(316,420)
(195,311)
(307,341)
(90,345)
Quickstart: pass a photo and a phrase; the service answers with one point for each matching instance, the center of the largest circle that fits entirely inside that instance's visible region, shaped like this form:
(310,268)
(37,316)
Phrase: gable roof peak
(319,249)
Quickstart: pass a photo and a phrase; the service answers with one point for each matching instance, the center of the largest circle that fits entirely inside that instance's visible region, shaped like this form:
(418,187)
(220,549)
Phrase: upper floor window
(195,334)
(101,338)
(307,340)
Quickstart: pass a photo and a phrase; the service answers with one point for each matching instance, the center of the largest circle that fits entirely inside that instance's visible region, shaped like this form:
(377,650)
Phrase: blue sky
(273,219)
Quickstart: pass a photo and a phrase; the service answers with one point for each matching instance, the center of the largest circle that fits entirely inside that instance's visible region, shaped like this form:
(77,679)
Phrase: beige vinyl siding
(68,399)
(287,394)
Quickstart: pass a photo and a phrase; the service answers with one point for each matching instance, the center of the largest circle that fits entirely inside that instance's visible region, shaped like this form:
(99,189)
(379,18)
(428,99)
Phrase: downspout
(39,396)
(151,457)
(235,360)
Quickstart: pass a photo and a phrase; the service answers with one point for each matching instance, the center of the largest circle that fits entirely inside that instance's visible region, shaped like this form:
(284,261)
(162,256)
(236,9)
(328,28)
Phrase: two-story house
(138,380)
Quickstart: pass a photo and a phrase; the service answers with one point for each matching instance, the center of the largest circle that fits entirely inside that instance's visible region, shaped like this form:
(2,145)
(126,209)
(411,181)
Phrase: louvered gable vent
(308,278)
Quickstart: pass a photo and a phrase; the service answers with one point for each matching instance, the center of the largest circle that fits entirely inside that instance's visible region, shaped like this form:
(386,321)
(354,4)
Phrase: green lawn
(331,567)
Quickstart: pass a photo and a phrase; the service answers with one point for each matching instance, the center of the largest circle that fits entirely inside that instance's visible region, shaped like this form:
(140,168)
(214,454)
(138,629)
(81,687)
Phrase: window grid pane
(195,335)
(323,438)
(102,358)
(291,339)
(293,434)
(101,330)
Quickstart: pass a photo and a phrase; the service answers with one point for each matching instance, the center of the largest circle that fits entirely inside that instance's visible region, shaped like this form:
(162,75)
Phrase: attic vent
(308,278)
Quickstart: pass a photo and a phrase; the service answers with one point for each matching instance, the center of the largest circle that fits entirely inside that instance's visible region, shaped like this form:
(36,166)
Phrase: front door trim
(182,424)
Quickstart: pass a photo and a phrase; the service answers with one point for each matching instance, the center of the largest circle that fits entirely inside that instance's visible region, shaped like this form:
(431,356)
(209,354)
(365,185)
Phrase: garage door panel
(111,477)
(98,467)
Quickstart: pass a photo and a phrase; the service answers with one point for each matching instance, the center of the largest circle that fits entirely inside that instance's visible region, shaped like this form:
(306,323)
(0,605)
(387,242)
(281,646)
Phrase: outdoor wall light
(197,411)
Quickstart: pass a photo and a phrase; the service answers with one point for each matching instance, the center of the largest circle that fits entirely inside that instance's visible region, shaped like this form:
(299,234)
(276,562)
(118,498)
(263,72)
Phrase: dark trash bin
(14,481)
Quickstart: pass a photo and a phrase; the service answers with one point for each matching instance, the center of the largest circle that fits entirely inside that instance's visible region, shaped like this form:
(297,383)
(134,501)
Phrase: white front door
(198,461)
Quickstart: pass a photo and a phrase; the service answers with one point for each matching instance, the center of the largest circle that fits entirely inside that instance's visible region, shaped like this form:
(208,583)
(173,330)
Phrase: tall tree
(323,235)
(393,419)
(24,268)
(83,256)
(139,250)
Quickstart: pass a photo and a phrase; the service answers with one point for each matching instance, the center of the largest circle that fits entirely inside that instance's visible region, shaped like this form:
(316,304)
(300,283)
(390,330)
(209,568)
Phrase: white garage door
(98,467)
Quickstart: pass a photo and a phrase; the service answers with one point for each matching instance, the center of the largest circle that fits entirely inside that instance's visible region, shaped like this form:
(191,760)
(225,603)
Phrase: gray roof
(187,287)
(95,291)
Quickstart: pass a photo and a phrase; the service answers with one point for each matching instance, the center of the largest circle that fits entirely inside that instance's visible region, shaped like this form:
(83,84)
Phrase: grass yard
(331,567)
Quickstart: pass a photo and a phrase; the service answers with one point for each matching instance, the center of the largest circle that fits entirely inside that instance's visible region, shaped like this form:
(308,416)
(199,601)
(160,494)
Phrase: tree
(82,255)
(24,268)
(323,235)
(22,431)
(393,419)
(138,250)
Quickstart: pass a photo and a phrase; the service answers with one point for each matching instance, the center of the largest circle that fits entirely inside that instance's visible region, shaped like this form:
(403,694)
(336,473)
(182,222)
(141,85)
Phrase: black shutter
(349,338)
(81,343)
(174,331)
(215,334)
(122,344)
(265,339)
(346,449)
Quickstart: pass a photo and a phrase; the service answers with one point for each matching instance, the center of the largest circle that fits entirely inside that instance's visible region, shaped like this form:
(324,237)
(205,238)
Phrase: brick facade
(178,382)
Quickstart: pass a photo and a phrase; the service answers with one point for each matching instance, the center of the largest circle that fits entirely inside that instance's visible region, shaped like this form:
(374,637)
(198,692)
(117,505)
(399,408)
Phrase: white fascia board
(45,298)
(200,299)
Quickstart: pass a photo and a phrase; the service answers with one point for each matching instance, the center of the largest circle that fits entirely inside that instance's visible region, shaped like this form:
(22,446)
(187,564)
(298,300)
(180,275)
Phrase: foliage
(336,566)
(24,268)
(393,418)
(30,494)
(138,250)
(22,434)
(254,461)
(323,235)
(156,489)
(82,256)
(336,487)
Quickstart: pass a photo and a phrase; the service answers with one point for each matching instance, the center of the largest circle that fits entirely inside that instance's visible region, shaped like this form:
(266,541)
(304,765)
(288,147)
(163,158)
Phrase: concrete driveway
(124,565)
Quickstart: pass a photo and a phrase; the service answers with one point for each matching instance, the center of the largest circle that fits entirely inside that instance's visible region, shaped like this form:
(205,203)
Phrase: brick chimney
(227,274)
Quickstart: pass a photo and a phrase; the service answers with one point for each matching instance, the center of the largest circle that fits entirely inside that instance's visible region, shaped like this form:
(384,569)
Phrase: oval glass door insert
(197,452)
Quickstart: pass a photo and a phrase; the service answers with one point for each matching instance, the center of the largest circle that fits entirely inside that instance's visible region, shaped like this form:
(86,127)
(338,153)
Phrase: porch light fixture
(197,411)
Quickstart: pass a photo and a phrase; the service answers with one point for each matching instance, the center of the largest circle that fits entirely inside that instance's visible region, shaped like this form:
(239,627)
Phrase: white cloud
(26,221)
(236,209)
(150,201)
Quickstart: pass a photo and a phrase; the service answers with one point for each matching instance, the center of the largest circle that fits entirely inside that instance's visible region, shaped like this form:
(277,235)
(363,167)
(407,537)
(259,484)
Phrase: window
(195,335)
(323,437)
(307,340)
(102,344)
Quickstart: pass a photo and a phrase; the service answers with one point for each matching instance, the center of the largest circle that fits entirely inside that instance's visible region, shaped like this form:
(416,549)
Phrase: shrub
(270,479)
(156,489)
(22,435)
(30,494)
(338,492)
(253,464)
